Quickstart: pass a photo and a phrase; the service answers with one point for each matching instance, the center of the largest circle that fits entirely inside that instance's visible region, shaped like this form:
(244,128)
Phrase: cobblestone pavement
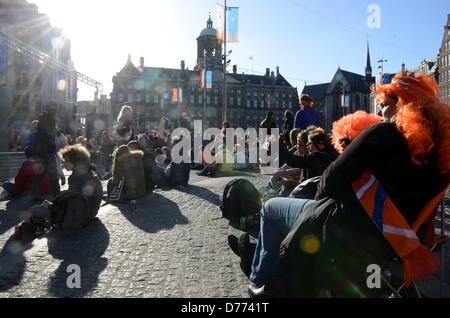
(174,245)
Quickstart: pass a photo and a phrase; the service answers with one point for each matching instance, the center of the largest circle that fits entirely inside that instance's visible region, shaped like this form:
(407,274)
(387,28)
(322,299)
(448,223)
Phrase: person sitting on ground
(75,207)
(293,140)
(178,173)
(128,164)
(349,127)
(153,175)
(320,155)
(24,179)
(408,154)
(167,154)
(344,131)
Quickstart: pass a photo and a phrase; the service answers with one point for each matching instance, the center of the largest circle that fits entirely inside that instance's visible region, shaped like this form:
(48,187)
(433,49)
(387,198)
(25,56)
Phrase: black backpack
(240,198)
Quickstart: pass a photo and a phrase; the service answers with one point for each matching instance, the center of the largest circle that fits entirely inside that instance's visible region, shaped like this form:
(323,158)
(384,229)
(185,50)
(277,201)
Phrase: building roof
(261,79)
(357,81)
(171,74)
(317,91)
(208,32)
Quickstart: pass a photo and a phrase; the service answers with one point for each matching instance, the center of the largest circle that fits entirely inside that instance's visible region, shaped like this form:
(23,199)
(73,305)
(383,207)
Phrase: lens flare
(310,244)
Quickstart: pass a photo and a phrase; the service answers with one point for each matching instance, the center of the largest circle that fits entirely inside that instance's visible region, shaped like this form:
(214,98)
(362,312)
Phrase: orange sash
(418,261)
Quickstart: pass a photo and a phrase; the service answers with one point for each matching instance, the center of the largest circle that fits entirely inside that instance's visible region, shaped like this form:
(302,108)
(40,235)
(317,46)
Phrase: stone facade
(444,65)
(149,90)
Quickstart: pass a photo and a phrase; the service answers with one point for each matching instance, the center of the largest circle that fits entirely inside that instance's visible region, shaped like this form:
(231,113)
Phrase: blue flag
(233,17)
(208,79)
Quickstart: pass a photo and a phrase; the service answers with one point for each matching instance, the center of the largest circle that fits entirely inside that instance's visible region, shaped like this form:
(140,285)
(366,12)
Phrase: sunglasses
(345,140)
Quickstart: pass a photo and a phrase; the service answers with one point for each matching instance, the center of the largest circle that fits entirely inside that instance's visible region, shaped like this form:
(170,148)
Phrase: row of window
(445,76)
(231,91)
(445,60)
(447,46)
(232,101)
(444,91)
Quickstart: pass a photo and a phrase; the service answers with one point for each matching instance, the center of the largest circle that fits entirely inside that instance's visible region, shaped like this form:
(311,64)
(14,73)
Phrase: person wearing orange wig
(349,127)
(407,154)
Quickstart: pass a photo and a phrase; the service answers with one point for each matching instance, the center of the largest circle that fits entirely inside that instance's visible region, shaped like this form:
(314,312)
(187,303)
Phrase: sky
(307,39)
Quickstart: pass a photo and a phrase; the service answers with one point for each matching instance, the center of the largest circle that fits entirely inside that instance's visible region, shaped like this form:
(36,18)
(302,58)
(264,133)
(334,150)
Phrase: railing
(10,163)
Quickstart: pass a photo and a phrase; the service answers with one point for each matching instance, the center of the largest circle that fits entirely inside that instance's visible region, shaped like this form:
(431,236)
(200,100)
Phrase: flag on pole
(233,17)
(202,78)
(220,23)
(180,94)
(174,95)
(208,79)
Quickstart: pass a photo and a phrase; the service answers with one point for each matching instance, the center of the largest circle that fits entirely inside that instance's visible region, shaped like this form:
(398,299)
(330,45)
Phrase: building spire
(209,23)
(368,65)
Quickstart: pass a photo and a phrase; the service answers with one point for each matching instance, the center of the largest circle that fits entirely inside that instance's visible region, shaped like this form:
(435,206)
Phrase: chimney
(234,69)
(182,65)
(272,74)
(278,71)
(142,62)
(267,72)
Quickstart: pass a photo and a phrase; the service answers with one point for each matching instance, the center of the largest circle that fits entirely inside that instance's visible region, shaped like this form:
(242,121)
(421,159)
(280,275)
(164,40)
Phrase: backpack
(70,211)
(306,190)
(240,198)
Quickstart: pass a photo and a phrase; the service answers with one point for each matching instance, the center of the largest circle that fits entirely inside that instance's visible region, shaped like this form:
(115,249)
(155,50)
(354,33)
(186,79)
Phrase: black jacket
(76,207)
(84,180)
(349,239)
(312,165)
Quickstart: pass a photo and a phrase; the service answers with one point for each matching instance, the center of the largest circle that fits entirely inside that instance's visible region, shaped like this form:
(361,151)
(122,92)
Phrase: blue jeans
(278,216)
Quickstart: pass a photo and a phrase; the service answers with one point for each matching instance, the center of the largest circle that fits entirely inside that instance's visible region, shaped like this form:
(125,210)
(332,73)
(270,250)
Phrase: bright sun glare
(103,32)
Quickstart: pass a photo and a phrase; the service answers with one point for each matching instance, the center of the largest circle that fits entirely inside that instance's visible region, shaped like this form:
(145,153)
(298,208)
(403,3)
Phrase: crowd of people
(324,207)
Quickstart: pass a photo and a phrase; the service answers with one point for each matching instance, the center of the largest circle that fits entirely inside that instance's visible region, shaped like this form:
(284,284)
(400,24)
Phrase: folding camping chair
(439,242)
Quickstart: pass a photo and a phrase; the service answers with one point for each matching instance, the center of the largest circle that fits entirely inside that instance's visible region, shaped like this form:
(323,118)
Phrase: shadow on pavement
(15,212)
(84,248)
(154,213)
(12,261)
(237,173)
(202,193)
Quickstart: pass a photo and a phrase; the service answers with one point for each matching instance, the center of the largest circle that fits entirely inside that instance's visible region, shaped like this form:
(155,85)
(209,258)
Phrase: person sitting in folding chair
(370,199)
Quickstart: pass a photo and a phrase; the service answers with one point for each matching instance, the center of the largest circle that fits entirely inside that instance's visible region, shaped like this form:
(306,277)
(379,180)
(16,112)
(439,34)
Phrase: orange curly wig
(351,126)
(422,118)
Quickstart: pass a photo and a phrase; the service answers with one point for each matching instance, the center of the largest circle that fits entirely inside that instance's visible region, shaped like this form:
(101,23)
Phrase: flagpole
(224,92)
(204,90)
(178,100)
